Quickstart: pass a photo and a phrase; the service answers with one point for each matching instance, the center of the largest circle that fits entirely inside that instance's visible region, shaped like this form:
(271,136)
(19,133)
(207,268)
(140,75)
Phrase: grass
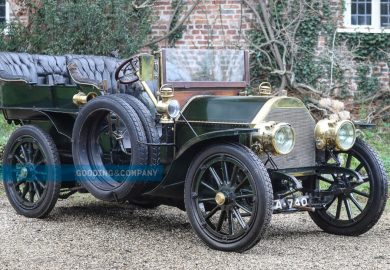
(380,140)
(5,131)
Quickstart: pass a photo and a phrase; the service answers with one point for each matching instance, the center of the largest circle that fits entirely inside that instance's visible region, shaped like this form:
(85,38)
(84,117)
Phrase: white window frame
(7,12)
(375,26)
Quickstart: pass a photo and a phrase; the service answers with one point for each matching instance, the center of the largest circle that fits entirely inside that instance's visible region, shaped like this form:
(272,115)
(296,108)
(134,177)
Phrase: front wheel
(359,207)
(228,197)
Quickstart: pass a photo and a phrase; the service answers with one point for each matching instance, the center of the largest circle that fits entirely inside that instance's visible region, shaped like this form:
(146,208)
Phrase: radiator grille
(303,154)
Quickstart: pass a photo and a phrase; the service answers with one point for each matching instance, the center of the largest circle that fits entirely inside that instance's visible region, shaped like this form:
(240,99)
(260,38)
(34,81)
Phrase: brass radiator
(303,154)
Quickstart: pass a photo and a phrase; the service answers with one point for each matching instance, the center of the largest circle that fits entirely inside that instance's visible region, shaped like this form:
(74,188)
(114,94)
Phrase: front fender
(172,186)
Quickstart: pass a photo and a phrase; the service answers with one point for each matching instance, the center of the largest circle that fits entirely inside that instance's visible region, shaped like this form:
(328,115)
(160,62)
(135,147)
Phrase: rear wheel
(31,172)
(359,207)
(109,143)
(228,197)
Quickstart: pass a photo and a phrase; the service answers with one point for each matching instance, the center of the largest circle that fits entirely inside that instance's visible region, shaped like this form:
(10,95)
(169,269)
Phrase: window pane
(354,20)
(2,2)
(204,65)
(385,13)
(353,9)
(361,20)
(368,20)
(362,10)
(384,21)
(383,9)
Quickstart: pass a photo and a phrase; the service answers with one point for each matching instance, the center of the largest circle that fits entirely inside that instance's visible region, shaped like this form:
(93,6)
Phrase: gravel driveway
(82,233)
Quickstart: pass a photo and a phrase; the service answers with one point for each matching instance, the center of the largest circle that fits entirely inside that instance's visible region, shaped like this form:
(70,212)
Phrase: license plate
(290,203)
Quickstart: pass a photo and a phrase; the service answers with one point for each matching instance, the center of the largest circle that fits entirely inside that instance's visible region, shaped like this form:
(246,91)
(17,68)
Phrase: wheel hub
(220,198)
(23,173)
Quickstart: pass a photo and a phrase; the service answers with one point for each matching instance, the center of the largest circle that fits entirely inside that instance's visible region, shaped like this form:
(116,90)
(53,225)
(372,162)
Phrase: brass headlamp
(167,106)
(278,138)
(332,133)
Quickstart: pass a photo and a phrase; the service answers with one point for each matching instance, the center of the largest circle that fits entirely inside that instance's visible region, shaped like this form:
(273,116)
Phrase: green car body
(186,112)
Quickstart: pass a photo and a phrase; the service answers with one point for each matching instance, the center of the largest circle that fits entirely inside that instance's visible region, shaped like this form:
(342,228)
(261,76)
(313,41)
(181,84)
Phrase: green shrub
(79,26)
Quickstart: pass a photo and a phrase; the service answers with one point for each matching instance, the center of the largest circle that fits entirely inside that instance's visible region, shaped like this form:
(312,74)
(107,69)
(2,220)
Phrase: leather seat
(69,70)
(94,70)
(51,70)
(18,67)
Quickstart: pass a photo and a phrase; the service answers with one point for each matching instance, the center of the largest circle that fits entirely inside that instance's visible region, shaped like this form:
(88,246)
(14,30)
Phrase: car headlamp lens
(345,135)
(283,139)
(173,108)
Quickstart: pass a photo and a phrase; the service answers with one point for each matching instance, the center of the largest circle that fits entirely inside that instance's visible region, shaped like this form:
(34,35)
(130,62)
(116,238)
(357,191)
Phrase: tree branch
(173,30)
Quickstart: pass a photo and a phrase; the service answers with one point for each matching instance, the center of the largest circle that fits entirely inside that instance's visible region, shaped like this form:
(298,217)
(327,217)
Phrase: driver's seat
(94,70)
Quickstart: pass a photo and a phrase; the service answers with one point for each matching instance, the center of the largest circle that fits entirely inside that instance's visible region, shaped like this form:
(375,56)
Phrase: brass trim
(264,139)
(326,131)
(220,198)
(291,102)
(213,122)
(81,98)
(149,92)
(17,80)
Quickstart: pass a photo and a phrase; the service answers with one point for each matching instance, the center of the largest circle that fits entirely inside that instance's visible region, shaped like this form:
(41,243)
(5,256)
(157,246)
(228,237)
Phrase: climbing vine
(297,25)
(178,8)
(296,46)
(367,46)
(367,84)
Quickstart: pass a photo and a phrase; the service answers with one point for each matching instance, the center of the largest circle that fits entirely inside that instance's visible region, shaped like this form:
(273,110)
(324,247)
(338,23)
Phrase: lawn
(5,131)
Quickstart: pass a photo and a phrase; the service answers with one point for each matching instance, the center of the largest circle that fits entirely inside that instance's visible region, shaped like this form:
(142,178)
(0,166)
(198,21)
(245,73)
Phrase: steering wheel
(129,69)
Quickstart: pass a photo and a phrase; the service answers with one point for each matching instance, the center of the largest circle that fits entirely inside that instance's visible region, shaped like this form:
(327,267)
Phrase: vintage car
(177,127)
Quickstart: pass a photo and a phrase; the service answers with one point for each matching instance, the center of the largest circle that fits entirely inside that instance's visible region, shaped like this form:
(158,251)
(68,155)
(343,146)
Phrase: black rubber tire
(263,201)
(376,203)
(152,136)
(82,127)
(149,125)
(45,204)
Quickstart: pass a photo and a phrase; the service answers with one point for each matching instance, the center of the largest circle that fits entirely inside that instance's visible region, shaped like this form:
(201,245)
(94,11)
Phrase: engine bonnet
(244,110)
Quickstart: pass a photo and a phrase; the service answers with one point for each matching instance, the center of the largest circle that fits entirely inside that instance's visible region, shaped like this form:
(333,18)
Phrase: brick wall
(346,59)
(223,24)
(17,11)
(213,24)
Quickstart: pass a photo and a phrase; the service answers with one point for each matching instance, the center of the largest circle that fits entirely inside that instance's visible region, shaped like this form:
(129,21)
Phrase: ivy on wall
(368,50)
(79,26)
(306,67)
(367,84)
(325,72)
(367,46)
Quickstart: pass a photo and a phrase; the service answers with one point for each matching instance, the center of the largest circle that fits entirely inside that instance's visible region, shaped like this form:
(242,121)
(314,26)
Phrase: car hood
(235,109)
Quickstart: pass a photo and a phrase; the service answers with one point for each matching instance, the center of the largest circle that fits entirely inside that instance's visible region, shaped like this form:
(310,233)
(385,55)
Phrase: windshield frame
(200,84)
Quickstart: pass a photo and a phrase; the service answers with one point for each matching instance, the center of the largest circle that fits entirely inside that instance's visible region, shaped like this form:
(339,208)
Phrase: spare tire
(149,125)
(108,137)
(153,139)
